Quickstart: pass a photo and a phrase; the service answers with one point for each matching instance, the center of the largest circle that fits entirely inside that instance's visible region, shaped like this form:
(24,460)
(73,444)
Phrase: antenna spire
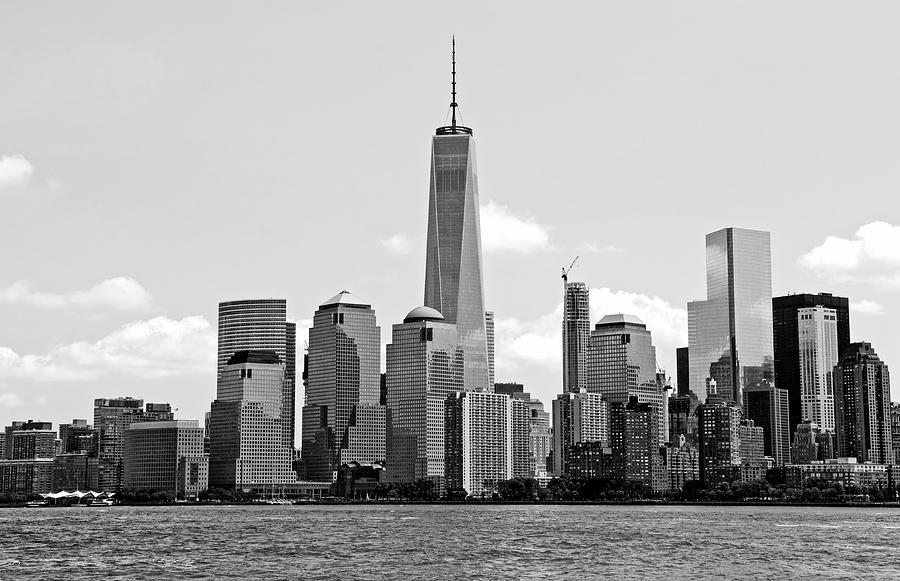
(453,128)
(453,104)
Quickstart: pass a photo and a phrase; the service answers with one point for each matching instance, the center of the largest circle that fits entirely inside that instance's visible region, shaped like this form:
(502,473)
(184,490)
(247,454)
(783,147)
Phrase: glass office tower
(343,420)
(453,279)
(730,333)
(424,366)
(261,324)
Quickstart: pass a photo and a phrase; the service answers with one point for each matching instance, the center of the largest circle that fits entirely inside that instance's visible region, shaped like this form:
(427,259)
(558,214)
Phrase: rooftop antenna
(453,128)
(453,104)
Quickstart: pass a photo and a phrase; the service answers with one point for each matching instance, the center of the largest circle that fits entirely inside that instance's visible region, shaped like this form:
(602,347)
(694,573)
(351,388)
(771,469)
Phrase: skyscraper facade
(154,451)
(730,333)
(786,341)
(576,331)
(817,332)
(486,439)
(862,389)
(246,444)
(343,420)
(719,441)
(453,277)
(261,324)
(767,406)
(682,370)
(424,366)
(28,465)
(577,418)
(621,364)
(539,420)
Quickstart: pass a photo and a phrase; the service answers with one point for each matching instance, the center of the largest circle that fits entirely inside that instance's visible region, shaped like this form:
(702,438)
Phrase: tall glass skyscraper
(343,420)
(576,330)
(730,333)
(424,366)
(261,324)
(453,279)
(621,364)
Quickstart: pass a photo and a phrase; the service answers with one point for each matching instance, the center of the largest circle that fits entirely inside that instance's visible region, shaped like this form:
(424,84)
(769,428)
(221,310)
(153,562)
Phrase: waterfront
(449,542)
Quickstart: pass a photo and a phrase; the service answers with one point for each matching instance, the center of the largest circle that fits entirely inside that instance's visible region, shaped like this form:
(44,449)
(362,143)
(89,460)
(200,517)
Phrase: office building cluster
(765,384)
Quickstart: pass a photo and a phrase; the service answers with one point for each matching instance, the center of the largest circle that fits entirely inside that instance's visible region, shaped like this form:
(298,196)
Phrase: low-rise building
(75,472)
(846,471)
(154,452)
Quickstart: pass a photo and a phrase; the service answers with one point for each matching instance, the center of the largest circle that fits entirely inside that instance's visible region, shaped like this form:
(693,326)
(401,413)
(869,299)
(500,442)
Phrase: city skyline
(136,314)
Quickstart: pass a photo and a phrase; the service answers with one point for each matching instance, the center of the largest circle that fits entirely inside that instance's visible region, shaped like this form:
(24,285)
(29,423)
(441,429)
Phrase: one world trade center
(453,279)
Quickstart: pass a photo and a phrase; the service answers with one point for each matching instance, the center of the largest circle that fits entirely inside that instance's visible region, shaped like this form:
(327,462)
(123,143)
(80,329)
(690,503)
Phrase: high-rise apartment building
(489,331)
(154,452)
(343,420)
(424,366)
(27,467)
(767,406)
(247,448)
(635,446)
(112,416)
(719,441)
(539,420)
(817,332)
(486,440)
(576,331)
(786,341)
(621,364)
(453,277)
(895,431)
(862,392)
(577,418)
(730,333)
(262,325)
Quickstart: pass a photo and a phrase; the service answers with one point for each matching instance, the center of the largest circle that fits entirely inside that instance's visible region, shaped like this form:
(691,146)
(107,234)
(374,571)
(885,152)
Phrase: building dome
(423,314)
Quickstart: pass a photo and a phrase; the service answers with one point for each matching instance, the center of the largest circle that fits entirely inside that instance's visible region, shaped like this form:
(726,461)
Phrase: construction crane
(565,271)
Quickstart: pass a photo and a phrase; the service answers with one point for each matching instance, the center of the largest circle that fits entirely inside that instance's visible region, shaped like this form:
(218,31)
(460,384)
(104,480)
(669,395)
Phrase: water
(449,542)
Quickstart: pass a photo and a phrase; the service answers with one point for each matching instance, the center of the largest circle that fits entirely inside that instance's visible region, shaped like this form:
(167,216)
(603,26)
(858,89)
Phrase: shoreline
(317,503)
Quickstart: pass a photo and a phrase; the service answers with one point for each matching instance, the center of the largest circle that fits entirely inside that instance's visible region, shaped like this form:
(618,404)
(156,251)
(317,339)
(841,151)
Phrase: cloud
(866,307)
(10,400)
(667,323)
(871,256)
(399,244)
(158,347)
(120,293)
(15,170)
(539,341)
(503,231)
(598,249)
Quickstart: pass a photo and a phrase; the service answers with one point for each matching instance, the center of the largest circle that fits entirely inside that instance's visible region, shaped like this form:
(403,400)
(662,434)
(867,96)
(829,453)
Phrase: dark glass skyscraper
(730,333)
(453,278)
(786,336)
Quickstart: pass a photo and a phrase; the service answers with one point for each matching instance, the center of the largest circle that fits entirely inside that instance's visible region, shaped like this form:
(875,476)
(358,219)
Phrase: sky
(158,158)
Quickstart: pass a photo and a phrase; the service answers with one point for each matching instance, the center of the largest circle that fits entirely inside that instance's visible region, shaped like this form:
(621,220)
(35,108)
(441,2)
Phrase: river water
(449,542)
